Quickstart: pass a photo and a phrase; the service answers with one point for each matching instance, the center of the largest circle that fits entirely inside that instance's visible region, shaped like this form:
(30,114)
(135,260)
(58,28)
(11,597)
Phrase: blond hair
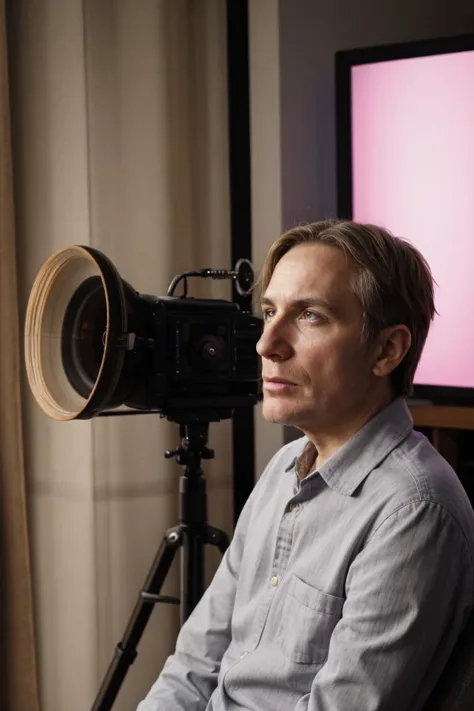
(391,279)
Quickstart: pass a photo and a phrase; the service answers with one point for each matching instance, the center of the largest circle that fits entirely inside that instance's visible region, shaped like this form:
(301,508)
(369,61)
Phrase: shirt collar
(354,461)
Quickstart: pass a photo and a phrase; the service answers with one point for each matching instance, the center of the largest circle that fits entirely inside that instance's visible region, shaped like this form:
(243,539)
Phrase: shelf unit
(439,417)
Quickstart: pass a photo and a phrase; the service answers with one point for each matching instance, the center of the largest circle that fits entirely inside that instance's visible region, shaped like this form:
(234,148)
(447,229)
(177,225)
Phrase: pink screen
(413,172)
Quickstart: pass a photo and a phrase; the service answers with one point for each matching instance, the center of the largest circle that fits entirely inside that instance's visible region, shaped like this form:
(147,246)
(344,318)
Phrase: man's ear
(393,343)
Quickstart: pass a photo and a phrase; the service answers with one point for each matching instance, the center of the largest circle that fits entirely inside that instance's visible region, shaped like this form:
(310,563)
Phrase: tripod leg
(192,571)
(126,652)
(216,537)
(192,561)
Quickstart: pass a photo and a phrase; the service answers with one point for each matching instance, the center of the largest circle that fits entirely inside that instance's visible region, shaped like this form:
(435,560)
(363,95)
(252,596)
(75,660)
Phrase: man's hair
(391,279)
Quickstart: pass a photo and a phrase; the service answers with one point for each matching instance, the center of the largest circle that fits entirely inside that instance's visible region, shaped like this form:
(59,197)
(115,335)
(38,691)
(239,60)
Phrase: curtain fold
(18,678)
(119,117)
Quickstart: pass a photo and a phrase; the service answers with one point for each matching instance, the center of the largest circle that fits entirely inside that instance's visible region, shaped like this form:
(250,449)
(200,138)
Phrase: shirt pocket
(309,617)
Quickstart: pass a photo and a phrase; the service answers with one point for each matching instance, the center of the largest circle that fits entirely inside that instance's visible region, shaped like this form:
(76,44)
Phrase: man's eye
(312,316)
(267,313)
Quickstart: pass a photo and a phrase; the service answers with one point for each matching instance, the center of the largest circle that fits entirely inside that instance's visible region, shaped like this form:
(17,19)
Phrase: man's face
(312,339)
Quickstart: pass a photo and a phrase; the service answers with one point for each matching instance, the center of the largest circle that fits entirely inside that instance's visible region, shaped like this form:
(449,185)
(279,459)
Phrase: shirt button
(294,507)
(274,581)
(244,654)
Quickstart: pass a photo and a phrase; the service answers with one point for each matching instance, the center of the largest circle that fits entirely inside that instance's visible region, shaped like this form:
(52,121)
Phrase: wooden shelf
(453,418)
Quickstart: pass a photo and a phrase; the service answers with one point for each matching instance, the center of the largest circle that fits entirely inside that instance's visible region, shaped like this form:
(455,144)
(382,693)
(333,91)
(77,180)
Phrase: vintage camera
(94,346)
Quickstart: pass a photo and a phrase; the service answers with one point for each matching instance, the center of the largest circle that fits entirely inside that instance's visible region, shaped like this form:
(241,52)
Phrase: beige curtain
(120,142)
(18,683)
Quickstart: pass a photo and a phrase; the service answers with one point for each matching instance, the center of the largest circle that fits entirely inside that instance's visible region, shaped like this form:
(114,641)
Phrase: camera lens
(82,338)
(74,326)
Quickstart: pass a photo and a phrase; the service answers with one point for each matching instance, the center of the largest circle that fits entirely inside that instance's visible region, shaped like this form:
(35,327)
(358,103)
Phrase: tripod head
(193,502)
(193,447)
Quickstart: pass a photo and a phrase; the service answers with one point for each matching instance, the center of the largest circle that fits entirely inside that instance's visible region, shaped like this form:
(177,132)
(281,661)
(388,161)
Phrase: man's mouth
(278,384)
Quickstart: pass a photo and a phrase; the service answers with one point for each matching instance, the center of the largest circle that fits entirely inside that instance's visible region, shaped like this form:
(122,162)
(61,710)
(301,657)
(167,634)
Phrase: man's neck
(327,443)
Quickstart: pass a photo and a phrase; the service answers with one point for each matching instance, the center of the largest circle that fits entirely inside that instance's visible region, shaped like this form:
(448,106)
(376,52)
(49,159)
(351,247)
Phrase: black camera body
(193,357)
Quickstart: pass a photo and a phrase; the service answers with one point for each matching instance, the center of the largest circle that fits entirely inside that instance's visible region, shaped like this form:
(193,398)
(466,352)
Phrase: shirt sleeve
(189,676)
(409,592)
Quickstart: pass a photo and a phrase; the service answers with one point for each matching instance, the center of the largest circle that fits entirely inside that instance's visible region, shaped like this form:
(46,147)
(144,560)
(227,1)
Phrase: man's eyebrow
(301,303)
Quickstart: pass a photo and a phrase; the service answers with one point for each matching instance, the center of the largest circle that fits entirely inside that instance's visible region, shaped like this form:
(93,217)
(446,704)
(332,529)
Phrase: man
(350,573)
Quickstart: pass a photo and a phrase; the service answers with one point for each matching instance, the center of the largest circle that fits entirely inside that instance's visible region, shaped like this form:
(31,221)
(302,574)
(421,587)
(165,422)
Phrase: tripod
(191,535)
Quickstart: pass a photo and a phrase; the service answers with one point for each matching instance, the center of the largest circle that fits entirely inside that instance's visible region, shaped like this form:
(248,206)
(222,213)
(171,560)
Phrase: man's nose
(273,343)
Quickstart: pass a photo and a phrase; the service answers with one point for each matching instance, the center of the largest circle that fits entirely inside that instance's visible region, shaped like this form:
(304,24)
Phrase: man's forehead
(322,269)
(316,273)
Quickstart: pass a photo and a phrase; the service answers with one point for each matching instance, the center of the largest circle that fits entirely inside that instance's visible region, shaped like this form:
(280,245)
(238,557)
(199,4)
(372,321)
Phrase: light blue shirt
(344,589)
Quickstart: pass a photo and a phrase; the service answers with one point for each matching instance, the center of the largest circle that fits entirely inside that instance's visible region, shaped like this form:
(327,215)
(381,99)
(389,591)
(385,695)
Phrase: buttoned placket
(303,491)
(280,561)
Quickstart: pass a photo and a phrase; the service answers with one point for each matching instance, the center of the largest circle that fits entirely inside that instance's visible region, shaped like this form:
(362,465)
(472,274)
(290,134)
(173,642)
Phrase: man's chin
(278,415)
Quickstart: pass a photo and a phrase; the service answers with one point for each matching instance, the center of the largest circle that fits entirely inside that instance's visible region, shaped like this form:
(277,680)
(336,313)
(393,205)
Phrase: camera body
(95,346)
(193,356)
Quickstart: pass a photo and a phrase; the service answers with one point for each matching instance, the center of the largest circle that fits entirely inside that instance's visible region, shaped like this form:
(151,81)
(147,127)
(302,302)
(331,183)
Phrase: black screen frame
(344,61)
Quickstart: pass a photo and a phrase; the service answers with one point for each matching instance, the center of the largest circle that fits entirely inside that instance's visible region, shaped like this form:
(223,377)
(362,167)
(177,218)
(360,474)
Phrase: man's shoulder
(416,472)
(429,473)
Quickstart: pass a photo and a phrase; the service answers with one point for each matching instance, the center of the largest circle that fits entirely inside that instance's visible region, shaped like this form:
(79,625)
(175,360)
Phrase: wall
(293,43)
(265,129)
(310,34)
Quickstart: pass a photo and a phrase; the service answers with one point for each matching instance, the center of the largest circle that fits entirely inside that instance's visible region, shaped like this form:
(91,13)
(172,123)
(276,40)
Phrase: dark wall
(311,31)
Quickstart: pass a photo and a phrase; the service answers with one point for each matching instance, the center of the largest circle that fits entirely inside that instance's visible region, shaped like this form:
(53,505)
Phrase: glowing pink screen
(413,172)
